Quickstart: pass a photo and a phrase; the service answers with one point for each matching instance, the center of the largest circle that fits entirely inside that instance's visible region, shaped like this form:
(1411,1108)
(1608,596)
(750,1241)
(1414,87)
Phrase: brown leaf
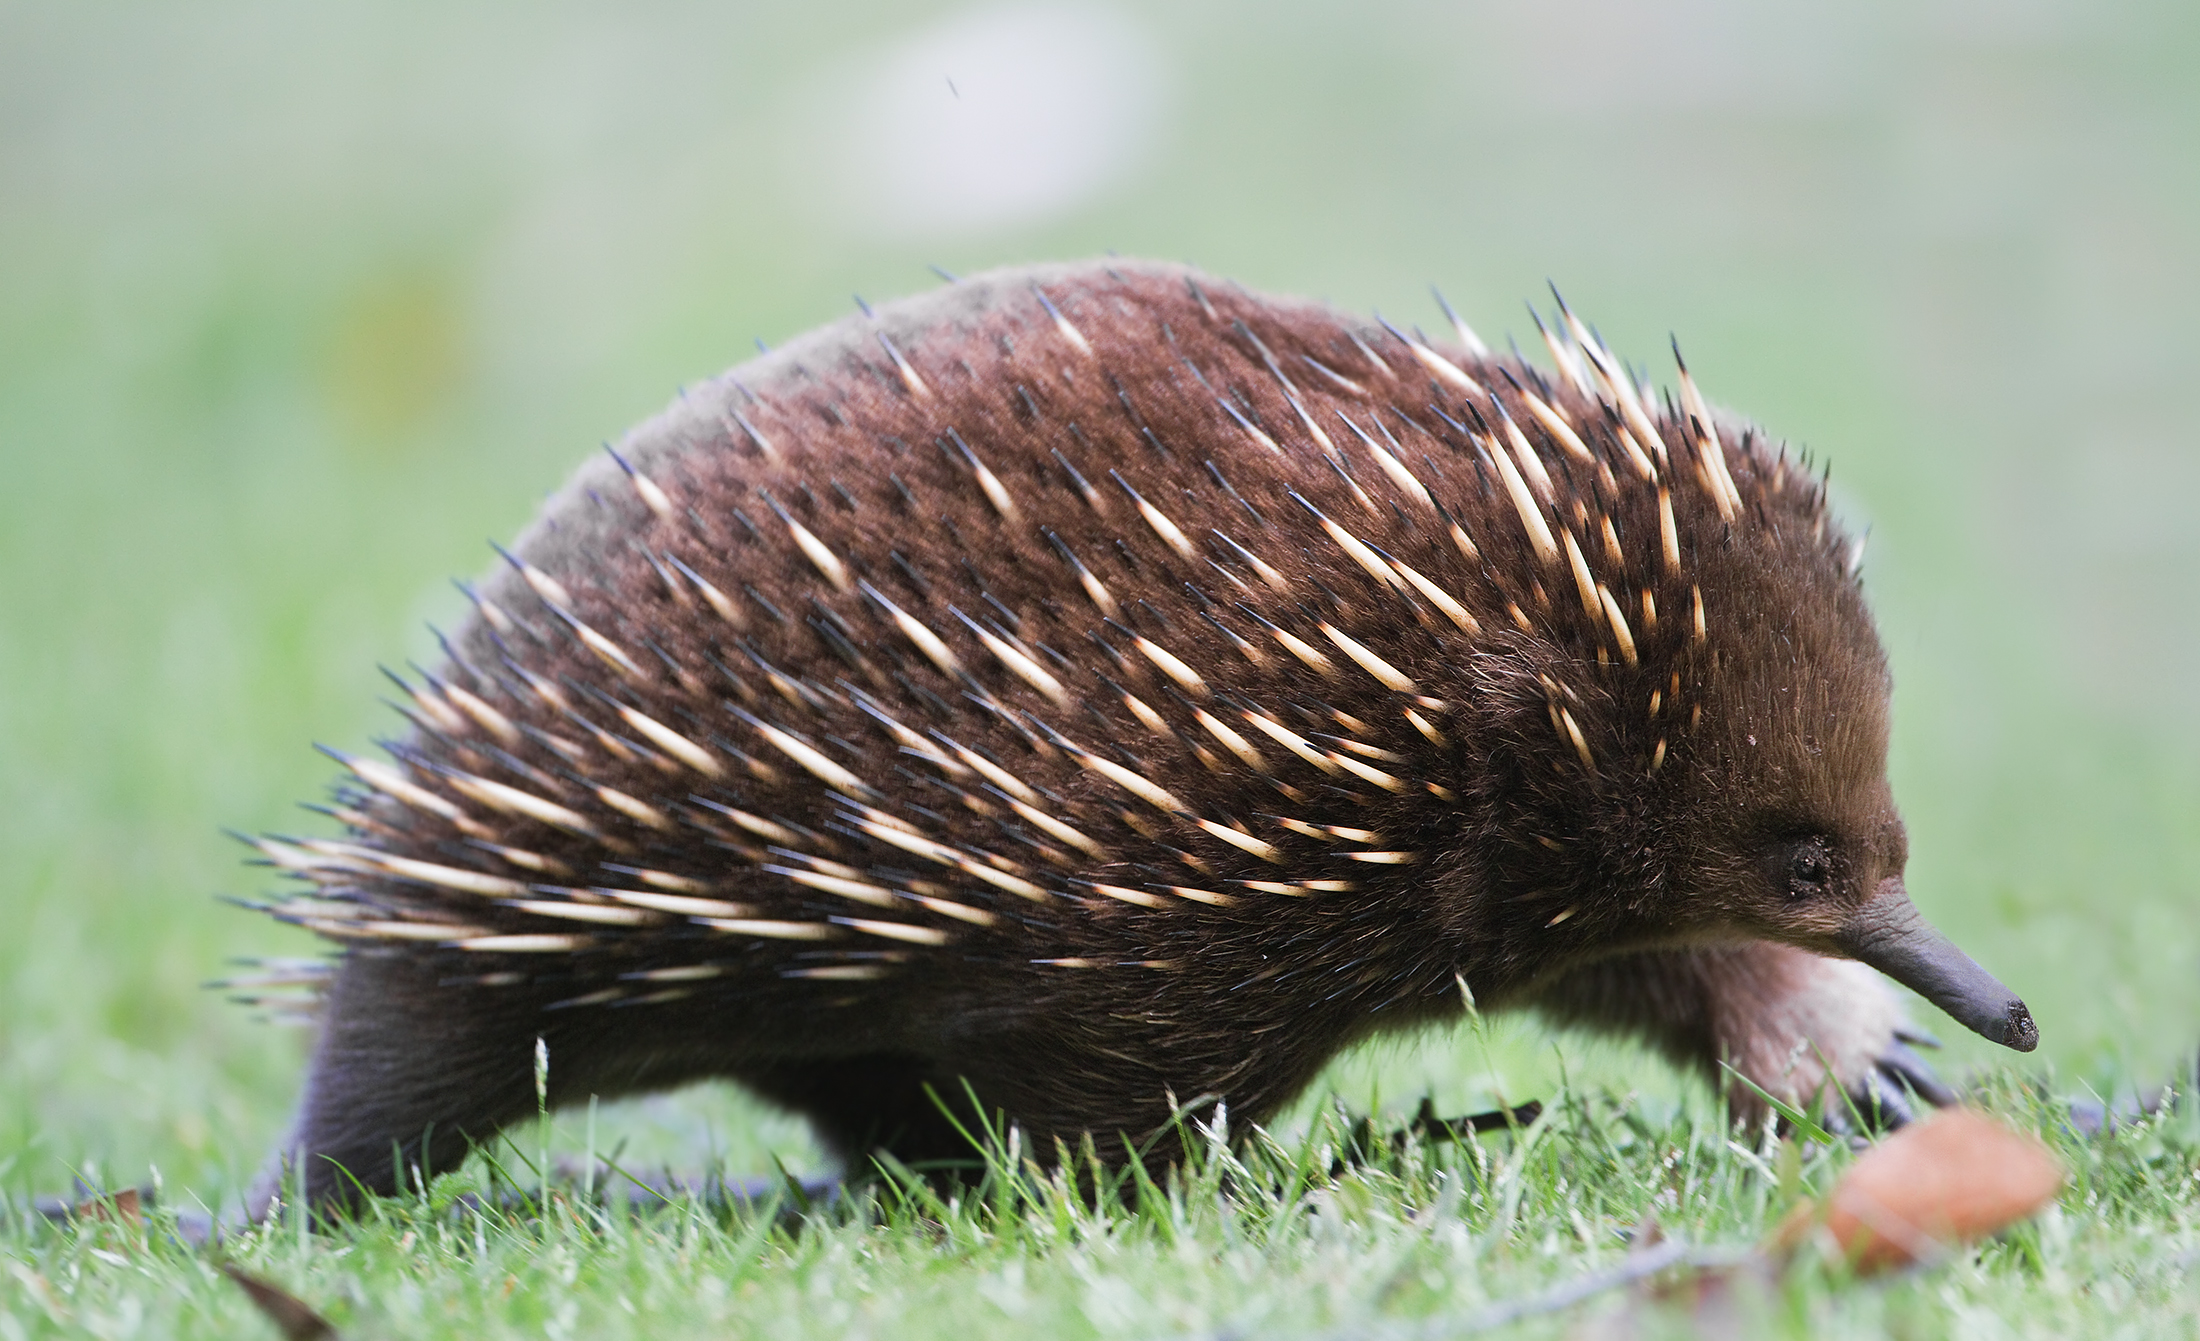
(1950,1179)
(122,1208)
(288,1312)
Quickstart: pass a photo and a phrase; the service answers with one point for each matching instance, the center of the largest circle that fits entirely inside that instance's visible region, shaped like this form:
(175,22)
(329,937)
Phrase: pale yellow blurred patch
(395,355)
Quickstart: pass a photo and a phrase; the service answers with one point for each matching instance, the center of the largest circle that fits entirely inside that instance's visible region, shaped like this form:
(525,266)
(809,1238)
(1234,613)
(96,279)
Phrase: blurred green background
(300,304)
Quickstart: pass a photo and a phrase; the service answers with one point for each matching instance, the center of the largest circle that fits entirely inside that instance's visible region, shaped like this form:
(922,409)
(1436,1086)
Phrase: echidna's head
(1800,839)
(1733,785)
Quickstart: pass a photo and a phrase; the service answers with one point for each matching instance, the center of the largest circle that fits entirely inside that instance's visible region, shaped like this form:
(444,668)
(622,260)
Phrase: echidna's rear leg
(1782,1017)
(408,1072)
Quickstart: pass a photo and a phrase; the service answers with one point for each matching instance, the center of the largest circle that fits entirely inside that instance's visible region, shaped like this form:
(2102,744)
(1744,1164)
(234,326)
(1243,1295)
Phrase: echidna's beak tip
(1890,935)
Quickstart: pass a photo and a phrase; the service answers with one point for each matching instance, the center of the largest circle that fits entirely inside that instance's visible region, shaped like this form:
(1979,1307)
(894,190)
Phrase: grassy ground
(297,306)
(1273,1240)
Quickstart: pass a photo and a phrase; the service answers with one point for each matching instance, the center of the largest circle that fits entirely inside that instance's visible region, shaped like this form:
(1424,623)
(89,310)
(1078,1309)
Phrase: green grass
(1264,1238)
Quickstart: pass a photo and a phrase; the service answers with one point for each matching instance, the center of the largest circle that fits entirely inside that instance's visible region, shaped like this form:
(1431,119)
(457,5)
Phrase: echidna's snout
(1889,934)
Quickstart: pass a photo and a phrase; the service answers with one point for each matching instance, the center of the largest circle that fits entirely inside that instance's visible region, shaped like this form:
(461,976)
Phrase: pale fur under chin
(1800,1014)
(1780,1016)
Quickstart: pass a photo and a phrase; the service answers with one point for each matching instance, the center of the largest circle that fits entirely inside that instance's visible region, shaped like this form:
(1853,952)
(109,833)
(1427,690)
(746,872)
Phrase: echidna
(1090,687)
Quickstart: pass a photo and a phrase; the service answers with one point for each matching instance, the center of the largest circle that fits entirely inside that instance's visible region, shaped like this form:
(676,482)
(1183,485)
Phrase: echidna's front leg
(1782,1017)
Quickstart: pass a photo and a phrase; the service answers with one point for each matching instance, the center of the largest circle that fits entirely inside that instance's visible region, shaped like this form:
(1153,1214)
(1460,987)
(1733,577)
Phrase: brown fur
(1608,892)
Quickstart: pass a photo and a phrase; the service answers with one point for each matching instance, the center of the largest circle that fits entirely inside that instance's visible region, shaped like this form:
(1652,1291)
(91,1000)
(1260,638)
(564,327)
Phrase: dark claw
(1427,1126)
(1910,1033)
(1905,1068)
(1882,1098)
(1882,1101)
(2090,1119)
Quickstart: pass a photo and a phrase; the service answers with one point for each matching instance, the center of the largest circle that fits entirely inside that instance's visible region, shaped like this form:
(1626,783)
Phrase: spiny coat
(1106,688)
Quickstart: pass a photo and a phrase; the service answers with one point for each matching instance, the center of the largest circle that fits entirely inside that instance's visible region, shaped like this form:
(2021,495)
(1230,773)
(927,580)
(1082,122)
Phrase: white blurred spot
(993,118)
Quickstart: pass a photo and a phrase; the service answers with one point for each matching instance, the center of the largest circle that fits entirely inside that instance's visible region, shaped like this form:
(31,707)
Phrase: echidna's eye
(1810,870)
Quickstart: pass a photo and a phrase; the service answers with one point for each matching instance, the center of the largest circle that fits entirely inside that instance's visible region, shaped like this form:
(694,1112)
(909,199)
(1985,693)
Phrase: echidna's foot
(1428,1128)
(1891,1091)
(1828,1034)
